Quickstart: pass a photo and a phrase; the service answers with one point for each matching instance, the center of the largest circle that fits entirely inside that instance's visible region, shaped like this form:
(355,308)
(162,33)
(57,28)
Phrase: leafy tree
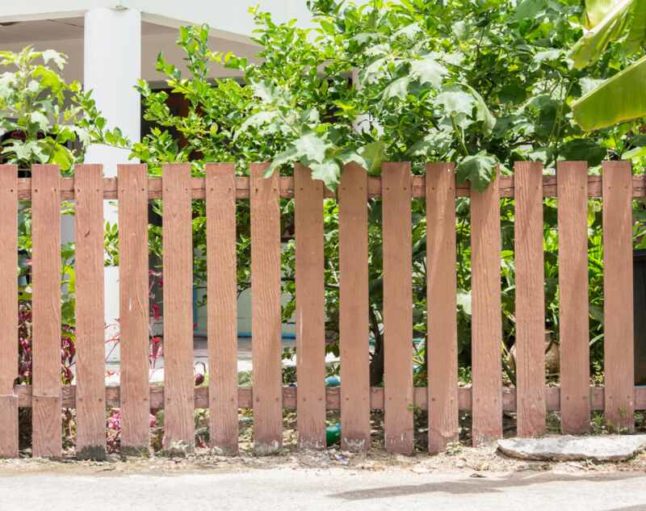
(48,119)
(483,83)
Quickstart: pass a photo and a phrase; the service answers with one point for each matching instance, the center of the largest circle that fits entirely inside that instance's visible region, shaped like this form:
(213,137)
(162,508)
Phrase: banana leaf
(591,46)
(621,98)
(596,10)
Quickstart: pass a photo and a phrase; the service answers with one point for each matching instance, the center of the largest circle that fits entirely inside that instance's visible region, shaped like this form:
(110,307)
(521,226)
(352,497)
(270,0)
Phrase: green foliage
(618,99)
(609,21)
(50,120)
(482,83)
(621,97)
(46,120)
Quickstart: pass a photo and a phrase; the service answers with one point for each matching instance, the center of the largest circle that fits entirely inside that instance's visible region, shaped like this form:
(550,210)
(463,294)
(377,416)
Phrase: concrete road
(330,489)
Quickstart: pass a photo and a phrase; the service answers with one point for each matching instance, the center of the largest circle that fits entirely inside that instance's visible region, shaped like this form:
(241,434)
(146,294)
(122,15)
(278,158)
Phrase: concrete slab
(570,448)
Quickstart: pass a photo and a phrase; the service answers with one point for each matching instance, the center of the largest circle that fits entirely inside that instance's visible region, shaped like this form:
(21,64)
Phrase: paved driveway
(328,489)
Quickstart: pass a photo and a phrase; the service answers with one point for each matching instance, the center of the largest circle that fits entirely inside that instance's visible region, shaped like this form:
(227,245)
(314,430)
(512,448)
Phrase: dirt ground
(458,459)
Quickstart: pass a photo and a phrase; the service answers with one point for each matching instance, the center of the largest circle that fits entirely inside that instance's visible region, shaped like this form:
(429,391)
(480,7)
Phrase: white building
(111,44)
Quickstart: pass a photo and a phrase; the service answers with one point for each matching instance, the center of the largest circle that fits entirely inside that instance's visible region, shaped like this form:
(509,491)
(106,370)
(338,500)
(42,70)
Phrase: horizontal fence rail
(286,187)
(486,400)
(333,400)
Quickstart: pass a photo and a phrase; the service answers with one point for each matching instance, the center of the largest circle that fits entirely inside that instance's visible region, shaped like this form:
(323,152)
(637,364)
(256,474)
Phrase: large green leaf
(596,10)
(621,98)
(398,88)
(311,147)
(636,37)
(479,169)
(456,102)
(327,171)
(373,155)
(62,156)
(482,111)
(592,45)
(428,70)
(529,9)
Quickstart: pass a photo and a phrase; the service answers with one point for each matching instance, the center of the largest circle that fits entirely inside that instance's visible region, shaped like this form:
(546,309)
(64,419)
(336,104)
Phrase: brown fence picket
(443,398)
(8,310)
(134,307)
(46,310)
(90,328)
(353,309)
(573,296)
(619,373)
(530,299)
(266,310)
(310,308)
(398,308)
(179,381)
(486,316)
(221,304)
(441,288)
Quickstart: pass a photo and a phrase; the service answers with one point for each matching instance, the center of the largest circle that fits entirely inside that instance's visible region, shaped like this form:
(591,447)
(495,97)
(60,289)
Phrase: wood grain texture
(179,427)
(618,296)
(310,309)
(441,289)
(486,327)
(398,308)
(353,309)
(46,309)
(286,187)
(222,296)
(8,310)
(530,299)
(134,306)
(266,310)
(573,296)
(332,397)
(90,328)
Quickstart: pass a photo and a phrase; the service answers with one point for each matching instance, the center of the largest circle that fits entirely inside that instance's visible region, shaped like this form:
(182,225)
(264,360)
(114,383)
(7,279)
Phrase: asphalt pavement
(325,490)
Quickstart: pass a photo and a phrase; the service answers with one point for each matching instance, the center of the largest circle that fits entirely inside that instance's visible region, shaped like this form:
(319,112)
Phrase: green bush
(482,83)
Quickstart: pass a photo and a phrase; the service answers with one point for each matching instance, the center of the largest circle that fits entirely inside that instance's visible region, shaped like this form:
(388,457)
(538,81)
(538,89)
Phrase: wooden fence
(486,399)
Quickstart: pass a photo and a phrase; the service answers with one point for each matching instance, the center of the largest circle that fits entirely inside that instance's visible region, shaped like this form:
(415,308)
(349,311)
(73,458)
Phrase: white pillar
(112,66)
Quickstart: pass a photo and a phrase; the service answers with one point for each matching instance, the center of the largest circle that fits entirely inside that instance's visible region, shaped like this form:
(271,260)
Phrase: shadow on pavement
(480,485)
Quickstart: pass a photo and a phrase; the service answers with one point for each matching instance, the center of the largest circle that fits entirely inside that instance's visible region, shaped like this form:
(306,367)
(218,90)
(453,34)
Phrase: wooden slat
(398,308)
(8,310)
(90,332)
(179,427)
(222,306)
(46,330)
(618,296)
(573,296)
(266,310)
(486,328)
(353,310)
(530,299)
(441,288)
(310,309)
(134,305)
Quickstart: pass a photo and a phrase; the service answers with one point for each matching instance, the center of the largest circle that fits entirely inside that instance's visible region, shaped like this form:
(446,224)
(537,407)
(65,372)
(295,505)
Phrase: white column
(112,66)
